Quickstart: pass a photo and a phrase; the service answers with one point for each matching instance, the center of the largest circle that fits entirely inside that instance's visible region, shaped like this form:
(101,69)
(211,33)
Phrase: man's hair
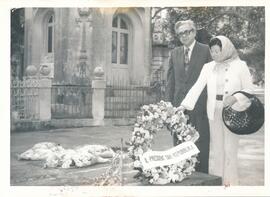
(215,41)
(180,23)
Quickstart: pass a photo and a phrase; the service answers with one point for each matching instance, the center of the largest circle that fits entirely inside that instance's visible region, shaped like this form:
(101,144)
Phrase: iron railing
(124,101)
(71,101)
(25,99)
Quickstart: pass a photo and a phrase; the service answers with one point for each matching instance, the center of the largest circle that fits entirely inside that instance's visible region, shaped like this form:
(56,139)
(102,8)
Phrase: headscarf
(228,51)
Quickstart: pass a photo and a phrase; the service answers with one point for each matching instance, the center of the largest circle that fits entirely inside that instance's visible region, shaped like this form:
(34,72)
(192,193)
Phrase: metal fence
(75,101)
(25,99)
(124,101)
(71,101)
(158,76)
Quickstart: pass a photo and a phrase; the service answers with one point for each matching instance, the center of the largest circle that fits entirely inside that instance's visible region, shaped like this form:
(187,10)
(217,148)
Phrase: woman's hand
(181,108)
(229,101)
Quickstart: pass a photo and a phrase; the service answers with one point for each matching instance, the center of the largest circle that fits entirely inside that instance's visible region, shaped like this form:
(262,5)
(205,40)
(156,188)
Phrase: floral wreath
(151,119)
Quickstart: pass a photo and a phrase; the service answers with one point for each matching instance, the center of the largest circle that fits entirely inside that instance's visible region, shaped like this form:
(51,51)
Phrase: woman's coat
(237,77)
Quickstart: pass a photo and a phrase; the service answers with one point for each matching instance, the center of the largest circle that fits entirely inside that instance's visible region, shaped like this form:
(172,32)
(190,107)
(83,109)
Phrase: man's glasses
(185,33)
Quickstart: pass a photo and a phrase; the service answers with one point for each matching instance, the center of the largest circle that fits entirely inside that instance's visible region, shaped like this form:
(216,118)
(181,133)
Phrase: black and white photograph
(126,99)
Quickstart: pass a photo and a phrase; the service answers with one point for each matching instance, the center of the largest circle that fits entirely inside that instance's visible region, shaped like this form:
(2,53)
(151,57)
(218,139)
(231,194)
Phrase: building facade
(71,42)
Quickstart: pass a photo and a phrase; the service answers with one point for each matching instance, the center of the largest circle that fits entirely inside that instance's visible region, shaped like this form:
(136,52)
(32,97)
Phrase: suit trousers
(223,149)
(201,123)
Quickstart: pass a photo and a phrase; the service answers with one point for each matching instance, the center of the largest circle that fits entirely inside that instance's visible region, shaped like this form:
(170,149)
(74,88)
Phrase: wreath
(151,119)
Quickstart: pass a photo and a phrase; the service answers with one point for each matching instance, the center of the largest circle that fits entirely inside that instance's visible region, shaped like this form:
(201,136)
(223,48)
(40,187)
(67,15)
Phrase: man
(185,64)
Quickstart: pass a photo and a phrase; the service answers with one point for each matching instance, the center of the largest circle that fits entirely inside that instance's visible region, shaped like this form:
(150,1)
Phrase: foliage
(17,38)
(245,26)
(112,176)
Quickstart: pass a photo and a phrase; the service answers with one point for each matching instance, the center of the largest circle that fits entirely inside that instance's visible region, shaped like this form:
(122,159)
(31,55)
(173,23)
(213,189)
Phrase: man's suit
(179,83)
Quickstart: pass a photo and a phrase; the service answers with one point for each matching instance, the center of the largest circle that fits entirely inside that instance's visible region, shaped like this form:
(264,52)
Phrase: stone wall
(160,60)
(68,41)
(61,43)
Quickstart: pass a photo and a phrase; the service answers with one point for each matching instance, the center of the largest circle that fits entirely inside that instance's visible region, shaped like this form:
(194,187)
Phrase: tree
(17,38)
(245,26)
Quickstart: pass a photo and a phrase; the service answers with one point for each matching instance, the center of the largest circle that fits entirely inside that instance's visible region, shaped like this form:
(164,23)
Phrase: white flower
(156,115)
(194,159)
(189,169)
(180,138)
(136,129)
(146,135)
(139,140)
(154,171)
(188,138)
(130,149)
(133,139)
(137,164)
(143,118)
(147,173)
(155,177)
(173,177)
(140,151)
(163,116)
(155,107)
(67,163)
(145,107)
(180,177)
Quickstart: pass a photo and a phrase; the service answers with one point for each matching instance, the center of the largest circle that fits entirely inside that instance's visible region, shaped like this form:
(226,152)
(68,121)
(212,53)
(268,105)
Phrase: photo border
(81,191)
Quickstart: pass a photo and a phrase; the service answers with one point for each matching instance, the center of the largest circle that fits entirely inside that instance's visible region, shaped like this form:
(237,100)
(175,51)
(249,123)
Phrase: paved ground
(251,155)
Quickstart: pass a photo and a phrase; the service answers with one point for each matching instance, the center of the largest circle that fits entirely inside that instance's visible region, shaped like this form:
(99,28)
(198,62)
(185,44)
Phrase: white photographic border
(84,191)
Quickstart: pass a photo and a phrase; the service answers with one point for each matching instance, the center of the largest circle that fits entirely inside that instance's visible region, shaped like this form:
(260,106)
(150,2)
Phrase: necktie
(186,58)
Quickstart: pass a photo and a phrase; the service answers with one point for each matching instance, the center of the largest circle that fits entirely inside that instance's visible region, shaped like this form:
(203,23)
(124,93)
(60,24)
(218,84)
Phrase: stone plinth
(45,99)
(98,101)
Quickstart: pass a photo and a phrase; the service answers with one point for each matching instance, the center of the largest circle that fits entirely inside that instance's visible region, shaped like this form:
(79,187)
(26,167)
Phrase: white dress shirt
(190,48)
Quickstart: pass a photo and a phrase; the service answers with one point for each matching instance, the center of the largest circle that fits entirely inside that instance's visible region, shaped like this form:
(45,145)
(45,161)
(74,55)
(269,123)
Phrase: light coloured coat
(237,77)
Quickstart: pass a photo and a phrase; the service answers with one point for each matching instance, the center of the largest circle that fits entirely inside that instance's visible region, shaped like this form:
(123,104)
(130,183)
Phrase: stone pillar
(45,98)
(98,96)
(147,46)
(45,86)
(160,51)
(28,28)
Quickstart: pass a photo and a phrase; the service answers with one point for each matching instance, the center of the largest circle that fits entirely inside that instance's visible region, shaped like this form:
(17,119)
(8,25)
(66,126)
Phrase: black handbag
(247,121)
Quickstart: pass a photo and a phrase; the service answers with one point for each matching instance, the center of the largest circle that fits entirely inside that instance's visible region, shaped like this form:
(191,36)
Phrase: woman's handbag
(244,122)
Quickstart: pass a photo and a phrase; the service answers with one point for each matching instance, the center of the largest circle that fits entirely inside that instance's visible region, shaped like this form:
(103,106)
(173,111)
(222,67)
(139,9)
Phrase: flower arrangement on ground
(151,119)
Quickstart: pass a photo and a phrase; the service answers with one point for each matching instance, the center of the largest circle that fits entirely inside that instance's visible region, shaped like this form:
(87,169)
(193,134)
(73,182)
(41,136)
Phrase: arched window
(120,37)
(50,35)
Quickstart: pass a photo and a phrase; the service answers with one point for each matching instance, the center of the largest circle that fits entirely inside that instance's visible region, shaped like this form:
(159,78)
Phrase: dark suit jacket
(179,82)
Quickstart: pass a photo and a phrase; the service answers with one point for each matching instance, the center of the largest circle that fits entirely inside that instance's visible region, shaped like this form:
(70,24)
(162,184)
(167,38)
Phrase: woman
(223,76)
